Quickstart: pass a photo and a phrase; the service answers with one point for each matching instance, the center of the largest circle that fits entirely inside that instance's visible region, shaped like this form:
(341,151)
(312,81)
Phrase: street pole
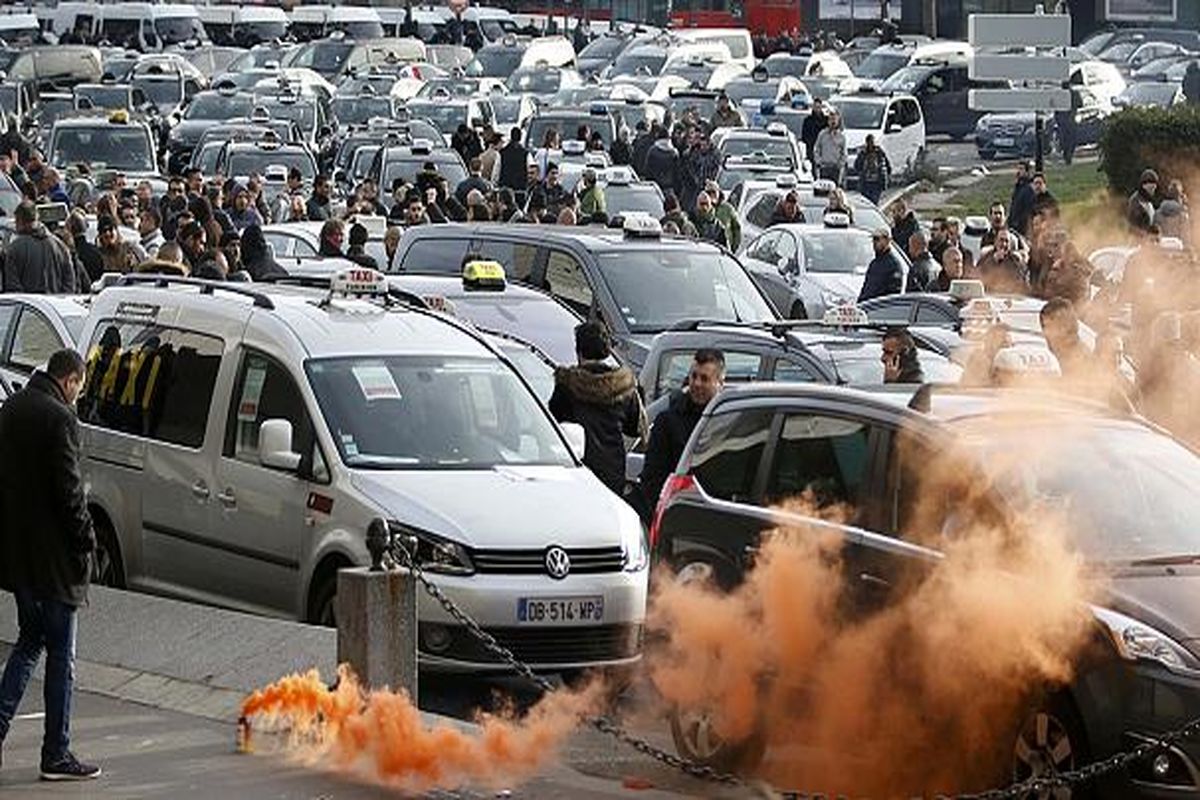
(1039,129)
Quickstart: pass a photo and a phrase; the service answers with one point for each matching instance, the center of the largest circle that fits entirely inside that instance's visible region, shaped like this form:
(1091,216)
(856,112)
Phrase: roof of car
(591,237)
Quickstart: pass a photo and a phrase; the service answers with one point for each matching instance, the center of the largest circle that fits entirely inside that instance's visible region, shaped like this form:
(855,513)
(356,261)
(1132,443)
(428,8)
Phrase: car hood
(189,131)
(1167,598)
(490,508)
(839,283)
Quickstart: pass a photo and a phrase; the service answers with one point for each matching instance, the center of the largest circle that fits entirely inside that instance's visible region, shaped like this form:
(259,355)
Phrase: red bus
(771,17)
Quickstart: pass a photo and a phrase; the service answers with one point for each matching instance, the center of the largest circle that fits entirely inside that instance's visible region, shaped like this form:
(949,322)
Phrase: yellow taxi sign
(483,275)
(119,117)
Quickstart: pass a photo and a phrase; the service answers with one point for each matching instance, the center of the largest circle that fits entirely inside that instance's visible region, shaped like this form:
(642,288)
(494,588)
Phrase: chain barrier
(1034,786)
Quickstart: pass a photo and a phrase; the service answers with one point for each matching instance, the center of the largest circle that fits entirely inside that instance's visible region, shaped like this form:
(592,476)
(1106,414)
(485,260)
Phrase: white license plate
(1004,141)
(560,610)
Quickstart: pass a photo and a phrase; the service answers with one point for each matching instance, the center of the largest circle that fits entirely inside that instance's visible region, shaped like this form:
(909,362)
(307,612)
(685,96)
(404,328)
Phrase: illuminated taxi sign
(1026,360)
(641,226)
(574,147)
(787,181)
(836,219)
(358,281)
(483,275)
(845,316)
(119,117)
(777,129)
(963,289)
(618,176)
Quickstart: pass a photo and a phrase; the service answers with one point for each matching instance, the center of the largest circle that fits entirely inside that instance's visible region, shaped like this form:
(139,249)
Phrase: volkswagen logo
(558,563)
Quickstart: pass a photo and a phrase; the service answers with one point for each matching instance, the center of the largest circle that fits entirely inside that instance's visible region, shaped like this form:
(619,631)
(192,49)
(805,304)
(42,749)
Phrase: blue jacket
(885,276)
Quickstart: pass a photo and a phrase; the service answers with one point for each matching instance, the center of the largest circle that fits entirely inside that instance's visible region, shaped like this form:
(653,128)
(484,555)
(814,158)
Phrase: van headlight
(633,544)
(1137,641)
(435,554)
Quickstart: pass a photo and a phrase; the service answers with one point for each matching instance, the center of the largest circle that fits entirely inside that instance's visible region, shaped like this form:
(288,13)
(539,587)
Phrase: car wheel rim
(1043,749)
(695,572)
(104,571)
(700,736)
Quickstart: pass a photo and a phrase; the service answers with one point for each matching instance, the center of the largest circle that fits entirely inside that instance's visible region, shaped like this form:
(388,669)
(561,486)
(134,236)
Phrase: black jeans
(45,625)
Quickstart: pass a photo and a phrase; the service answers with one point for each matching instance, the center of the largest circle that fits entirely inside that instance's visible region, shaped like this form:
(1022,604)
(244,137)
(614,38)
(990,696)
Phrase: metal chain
(1016,791)
(600,723)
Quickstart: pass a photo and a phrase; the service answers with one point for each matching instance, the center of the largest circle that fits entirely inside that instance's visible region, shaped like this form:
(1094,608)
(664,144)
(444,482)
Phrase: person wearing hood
(1139,211)
(662,162)
(604,400)
(256,257)
(357,251)
(242,212)
(36,261)
(117,254)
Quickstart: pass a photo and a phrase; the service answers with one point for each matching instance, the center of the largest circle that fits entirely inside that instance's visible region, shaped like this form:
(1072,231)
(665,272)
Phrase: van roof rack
(324,281)
(206,287)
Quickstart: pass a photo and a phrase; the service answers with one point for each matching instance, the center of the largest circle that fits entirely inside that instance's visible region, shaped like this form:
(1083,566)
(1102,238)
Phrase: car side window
(910,113)
(150,380)
(764,248)
(517,258)
(34,341)
(890,311)
(786,249)
(566,280)
(284,246)
(761,210)
(729,451)
(793,372)
(822,458)
(436,255)
(930,314)
(8,312)
(265,390)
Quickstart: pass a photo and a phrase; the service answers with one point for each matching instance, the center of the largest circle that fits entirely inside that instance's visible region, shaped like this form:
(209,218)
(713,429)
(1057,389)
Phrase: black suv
(1133,491)
(638,281)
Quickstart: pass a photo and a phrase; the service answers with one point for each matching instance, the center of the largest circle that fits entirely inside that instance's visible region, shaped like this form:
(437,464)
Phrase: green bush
(1167,140)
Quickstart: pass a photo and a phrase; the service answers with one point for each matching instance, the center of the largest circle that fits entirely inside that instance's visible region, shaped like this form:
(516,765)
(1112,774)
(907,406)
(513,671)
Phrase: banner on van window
(1141,10)
(865,10)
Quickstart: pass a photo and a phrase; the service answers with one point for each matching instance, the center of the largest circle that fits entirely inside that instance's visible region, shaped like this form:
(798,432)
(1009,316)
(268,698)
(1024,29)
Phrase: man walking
(46,546)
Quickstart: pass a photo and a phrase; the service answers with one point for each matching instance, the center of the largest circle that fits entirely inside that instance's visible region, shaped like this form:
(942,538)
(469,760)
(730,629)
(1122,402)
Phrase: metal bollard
(377,625)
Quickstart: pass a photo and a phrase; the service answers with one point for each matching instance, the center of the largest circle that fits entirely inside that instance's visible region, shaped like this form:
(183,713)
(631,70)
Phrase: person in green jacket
(726,214)
(591,199)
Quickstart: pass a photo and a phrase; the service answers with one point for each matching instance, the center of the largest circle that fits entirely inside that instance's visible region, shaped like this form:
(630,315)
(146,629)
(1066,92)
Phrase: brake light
(675,484)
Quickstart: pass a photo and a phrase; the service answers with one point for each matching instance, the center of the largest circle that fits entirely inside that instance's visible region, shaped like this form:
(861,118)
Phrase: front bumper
(491,601)
(1124,704)
(994,144)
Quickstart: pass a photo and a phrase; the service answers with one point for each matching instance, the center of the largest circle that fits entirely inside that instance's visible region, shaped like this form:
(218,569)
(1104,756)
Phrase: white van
(73,17)
(889,58)
(19,30)
(313,22)
(741,48)
(243,26)
(149,27)
(549,51)
(238,440)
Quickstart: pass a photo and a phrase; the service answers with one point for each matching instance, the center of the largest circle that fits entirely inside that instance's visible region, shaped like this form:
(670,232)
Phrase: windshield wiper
(1166,561)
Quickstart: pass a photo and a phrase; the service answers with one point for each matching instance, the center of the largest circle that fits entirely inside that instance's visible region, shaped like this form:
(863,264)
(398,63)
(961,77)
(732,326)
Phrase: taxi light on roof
(486,275)
(422,146)
(786,181)
(597,109)
(618,177)
(358,281)
(962,289)
(595,160)
(823,187)
(260,114)
(1026,360)
(119,117)
(766,105)
(836,219)
(845,316)
(641,226)
(573,147)
(777,129)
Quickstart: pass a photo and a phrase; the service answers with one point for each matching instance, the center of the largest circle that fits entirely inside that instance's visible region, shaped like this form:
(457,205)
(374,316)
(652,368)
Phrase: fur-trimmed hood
(597,384)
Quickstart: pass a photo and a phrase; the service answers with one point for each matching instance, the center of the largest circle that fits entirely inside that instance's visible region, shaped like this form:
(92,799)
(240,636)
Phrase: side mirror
(784,265)
(275,445)
(576,438)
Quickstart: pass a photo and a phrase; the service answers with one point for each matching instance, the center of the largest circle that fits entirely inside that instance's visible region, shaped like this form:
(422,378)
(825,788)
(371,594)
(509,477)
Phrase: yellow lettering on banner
(149,393)
(129,393)
(108,386)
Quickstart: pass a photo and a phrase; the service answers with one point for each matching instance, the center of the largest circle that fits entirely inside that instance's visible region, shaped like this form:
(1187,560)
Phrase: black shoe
(69,768)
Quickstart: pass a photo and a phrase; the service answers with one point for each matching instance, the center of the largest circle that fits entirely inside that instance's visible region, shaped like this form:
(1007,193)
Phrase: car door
(8,317)
(934,94)
(34,340)
(261,515)
(912,133)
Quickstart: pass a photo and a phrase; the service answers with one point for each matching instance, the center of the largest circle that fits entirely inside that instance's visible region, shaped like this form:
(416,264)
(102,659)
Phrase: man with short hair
(474,180)
(1001,270)
(318,206)
(812,126)
(592,206)
(1044,203)
(885,273)
(150,231)
(924,272)
(36,260)
(512,166)
(551,192)
(998,221)
(673,427)
(414,211)
(708,227)
(46,548)
(952,269)
(725,115)
(603,399)
(1060,326)
(901,363)
(194,179)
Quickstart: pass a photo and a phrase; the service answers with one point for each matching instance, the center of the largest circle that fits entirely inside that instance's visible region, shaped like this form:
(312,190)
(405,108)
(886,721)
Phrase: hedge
(1165,139)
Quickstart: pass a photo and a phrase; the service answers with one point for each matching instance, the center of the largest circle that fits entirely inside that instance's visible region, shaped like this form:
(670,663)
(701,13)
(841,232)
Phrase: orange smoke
(913,691)
(381,736)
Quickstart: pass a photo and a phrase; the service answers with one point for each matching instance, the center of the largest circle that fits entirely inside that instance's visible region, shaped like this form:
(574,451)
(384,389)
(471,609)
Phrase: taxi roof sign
(358,281)
(845,316)
(641,225)
(836,219)
(823,186)
(484,275)
(963,289)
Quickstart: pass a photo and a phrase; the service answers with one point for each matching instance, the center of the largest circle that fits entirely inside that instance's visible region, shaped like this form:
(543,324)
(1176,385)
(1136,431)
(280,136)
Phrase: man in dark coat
(1139,209)
(46,547)
(673,427)
(812,126)
(1020,205)
(37,260)
(885,274)
(604,400)
(904,223)
(924,273)
(514,162)
(257,258)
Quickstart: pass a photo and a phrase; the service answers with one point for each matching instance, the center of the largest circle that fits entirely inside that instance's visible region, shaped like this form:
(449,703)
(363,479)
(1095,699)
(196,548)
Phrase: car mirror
(275,445)
(576,438)
(785,266)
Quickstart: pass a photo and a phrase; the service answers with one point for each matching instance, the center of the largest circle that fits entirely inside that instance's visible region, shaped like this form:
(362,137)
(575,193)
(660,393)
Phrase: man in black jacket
(604,400)
(514,160)
(46,546)
(885,273)
(673,427)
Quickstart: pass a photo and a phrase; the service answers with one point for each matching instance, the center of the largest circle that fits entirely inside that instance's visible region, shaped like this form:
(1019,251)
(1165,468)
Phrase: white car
(32,328)
(774,140)
(251,434)
(896,122)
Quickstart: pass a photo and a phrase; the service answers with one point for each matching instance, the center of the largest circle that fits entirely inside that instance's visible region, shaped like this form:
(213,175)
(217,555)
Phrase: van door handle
(227,498)
(200,490)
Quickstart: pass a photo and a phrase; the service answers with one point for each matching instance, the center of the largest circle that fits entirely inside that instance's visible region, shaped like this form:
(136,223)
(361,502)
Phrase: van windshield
(431,412)
(174,30)
(882,63)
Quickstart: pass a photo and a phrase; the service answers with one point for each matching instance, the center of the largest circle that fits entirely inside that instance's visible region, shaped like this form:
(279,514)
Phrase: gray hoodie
(830,148)
(38,262)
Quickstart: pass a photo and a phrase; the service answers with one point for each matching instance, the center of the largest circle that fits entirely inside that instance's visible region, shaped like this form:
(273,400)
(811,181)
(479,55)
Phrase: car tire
(1050,740)
(108,568)
(322,607)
